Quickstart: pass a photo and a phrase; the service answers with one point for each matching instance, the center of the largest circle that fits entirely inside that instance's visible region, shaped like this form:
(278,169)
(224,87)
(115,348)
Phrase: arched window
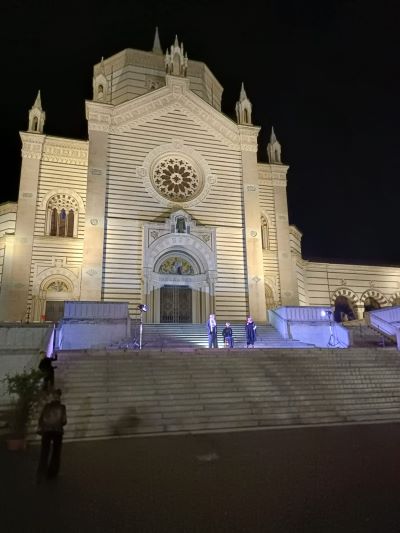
(264,233)
(70,223)
(62,216)
(35,124)
(54,222)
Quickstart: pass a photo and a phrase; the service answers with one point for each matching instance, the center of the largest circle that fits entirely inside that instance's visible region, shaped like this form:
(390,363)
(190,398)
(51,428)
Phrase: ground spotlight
(326,313)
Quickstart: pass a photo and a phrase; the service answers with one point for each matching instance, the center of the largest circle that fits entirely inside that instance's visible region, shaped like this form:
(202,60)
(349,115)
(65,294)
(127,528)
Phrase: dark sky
(324,73)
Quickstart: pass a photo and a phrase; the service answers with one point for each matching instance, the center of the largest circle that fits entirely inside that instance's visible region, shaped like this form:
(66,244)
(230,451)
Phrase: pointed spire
(102,68)
(243,95)
(157,45)
(36,116)
(243,108)
(176,43)
(274,149)
(38,102)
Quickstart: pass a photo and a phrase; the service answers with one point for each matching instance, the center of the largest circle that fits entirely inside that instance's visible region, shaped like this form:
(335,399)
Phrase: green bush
(25,389)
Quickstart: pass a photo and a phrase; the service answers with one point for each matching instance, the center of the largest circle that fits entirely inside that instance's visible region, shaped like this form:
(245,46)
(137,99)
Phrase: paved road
(323,480)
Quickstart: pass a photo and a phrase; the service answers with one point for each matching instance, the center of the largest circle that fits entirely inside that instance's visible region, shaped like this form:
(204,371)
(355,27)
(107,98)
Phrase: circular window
(176,179)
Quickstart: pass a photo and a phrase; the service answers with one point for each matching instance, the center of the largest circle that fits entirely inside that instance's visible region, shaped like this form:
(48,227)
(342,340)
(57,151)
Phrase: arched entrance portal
(179,267)
(179,289)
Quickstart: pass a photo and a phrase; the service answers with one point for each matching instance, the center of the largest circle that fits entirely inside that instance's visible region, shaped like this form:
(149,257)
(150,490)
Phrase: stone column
(99,119)
(252,223)
(286,266)
(16,278)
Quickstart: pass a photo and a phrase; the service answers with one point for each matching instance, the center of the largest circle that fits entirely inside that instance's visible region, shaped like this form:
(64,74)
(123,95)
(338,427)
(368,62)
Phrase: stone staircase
(364,335)
(150,392)
(165,336)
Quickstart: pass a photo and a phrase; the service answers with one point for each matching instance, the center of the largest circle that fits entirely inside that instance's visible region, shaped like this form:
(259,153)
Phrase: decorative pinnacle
(157,45)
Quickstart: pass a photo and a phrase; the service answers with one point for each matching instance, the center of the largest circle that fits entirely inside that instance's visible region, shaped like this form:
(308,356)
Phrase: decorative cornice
(99,116)
(71,152)
(279,180)
(129,114)
(8,207)
(157,104)
(248,138)
(32,145)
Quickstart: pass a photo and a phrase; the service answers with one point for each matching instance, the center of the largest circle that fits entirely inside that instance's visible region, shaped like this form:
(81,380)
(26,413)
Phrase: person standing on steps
(47,369)
(212,332)
(51,428)
(227,335)
(250,332)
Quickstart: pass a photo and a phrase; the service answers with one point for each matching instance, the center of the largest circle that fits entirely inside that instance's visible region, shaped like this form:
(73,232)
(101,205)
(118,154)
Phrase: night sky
(324,73)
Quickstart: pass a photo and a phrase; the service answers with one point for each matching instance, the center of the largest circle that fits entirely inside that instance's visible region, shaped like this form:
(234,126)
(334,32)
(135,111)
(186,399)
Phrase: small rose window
(177,179)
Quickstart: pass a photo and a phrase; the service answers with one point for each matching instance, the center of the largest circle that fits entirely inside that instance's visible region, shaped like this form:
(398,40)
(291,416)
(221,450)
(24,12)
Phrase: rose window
(176,179)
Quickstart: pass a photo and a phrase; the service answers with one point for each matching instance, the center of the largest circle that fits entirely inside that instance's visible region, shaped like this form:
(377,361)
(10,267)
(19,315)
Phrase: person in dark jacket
(51,428)
(47,369)
(227,335)
(250,332)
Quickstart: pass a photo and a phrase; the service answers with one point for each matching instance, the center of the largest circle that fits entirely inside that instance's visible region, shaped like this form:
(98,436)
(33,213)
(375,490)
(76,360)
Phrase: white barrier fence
(311,325)
(92,325)
(387,321)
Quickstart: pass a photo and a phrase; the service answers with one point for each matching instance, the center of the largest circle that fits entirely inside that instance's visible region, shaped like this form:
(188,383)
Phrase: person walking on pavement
(212,332)
(51,424)
(227,335)
(250,332)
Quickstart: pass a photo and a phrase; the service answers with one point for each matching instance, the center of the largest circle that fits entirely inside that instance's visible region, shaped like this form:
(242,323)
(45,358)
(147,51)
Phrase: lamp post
(332,341)
(142,308)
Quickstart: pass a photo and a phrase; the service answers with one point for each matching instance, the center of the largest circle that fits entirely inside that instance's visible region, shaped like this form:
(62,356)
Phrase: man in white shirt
(212,332)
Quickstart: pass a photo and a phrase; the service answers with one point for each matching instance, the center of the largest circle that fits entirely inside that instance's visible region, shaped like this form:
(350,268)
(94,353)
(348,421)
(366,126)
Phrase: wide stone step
(153,391)
(195,336)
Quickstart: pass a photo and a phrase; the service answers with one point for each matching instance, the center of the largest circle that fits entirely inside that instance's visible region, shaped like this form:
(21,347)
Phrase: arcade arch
(346,305)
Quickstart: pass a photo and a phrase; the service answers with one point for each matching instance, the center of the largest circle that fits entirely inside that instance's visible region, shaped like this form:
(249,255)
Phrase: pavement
(322,479)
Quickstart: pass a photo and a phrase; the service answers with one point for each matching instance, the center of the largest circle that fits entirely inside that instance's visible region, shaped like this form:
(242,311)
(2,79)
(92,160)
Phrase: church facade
(164,204)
